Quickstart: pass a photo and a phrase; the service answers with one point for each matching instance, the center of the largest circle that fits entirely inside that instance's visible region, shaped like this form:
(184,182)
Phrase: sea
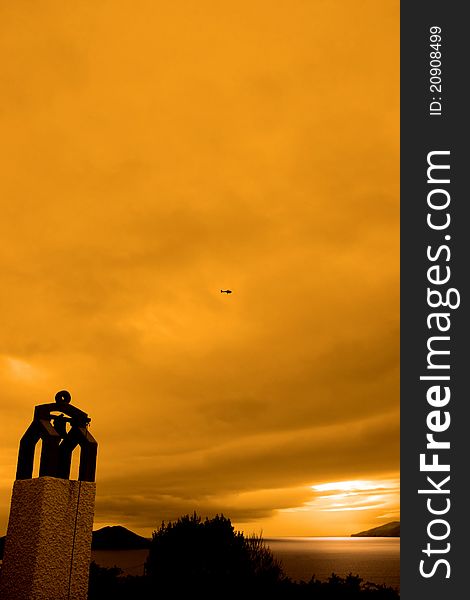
(374,559)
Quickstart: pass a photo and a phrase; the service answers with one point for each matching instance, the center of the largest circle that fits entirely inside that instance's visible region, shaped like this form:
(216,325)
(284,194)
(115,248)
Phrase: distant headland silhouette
(391,529)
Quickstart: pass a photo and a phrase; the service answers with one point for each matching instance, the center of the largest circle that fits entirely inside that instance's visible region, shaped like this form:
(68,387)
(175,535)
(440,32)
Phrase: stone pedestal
(48,542)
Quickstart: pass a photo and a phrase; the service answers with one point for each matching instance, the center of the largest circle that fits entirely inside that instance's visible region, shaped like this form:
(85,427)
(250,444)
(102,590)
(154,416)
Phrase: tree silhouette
(210,557)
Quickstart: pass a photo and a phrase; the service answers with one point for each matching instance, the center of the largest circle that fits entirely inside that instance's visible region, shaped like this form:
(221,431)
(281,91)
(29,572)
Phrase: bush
(108,583)
(210,557)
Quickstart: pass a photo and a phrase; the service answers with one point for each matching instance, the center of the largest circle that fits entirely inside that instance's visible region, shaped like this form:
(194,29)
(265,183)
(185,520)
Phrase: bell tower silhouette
(48,542)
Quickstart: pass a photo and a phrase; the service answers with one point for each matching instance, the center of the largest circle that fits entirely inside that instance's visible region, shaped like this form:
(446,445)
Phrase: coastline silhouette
(208,557)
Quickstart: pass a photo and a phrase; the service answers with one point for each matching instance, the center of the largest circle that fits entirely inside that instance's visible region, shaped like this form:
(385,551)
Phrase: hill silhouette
(391,529)
(118,538)
(109,538)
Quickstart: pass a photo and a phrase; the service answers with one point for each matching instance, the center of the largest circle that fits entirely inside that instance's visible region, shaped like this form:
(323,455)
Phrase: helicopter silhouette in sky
(225,291)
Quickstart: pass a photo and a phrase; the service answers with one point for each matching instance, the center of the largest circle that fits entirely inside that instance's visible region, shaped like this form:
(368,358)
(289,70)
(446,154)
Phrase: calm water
(374,559)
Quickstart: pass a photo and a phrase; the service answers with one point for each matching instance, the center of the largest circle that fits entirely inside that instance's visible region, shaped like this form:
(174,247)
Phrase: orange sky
(156,152)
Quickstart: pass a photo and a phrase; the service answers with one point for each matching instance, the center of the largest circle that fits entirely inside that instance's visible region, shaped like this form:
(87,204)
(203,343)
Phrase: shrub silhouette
(103,581)
(109,582)
(209,556)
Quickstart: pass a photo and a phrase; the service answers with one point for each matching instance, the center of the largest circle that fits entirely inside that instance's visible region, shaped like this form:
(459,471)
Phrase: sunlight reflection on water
(373,559)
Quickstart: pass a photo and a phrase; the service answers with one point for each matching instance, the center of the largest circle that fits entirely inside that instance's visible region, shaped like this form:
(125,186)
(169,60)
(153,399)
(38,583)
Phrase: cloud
(148,163)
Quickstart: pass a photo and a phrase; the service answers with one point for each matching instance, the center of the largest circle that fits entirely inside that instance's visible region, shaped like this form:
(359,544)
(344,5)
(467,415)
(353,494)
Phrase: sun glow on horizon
(340,508)
(345,485)
(356,495)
